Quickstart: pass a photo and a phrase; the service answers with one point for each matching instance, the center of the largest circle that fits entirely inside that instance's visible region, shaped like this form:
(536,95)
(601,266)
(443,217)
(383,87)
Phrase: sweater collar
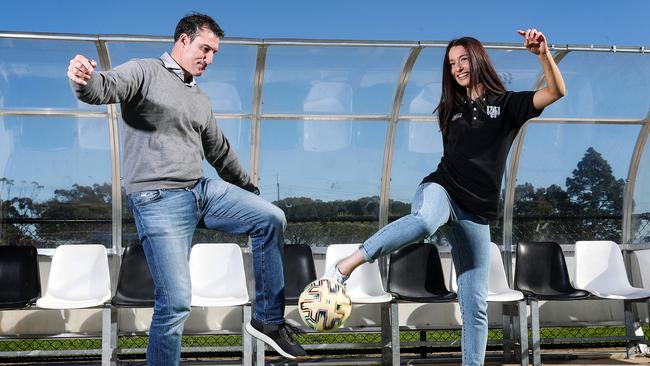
(173,66)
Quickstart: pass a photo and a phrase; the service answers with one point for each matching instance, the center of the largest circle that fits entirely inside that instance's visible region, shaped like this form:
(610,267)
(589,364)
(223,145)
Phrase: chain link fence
(343,343)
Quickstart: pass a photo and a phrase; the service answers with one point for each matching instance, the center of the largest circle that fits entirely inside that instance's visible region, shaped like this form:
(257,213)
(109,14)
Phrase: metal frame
(258,84)
(390,134)
(628,200)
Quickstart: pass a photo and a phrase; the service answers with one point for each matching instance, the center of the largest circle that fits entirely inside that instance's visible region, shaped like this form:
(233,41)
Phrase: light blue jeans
(166,220)
(470,238)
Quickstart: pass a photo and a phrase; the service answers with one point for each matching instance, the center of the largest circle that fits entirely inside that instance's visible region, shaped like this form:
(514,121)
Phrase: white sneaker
(333,273)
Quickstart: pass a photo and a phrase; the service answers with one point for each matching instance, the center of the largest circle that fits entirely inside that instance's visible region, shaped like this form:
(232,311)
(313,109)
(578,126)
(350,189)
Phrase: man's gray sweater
(169,127)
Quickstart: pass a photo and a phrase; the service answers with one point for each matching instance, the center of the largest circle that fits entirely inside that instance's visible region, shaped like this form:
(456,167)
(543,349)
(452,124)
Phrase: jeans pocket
(143,198)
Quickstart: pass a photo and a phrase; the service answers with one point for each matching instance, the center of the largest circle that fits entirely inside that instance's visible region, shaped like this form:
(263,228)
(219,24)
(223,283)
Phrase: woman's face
(459,63)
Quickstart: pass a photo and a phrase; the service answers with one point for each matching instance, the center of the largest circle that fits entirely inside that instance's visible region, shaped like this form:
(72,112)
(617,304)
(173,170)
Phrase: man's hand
(534,40)
(81,69)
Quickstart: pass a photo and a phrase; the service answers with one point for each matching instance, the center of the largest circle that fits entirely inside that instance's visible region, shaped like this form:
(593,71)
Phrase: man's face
(195,56)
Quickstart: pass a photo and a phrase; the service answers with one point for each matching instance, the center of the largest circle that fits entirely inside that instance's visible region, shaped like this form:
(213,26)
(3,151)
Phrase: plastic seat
(541,274)
(364,285)
(498,288)
(643,259)
(79,278)
(135,287)
(499,291)
(299,271)
(415,274)
(218,279)
(600,269)
(20,282)
(218,275)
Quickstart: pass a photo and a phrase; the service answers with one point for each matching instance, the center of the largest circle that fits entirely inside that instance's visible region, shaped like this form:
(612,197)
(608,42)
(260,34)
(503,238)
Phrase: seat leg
(109,336)
(521,331)
(534,324)
(260,349)
(630,336)
(506,312)
(390,342)
(247,339)
(423,348)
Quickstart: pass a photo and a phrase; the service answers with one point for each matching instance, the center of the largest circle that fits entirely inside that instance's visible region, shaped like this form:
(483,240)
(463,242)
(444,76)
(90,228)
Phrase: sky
(599,22)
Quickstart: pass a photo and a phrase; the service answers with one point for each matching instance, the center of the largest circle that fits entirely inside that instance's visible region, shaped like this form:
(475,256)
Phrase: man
(169,129)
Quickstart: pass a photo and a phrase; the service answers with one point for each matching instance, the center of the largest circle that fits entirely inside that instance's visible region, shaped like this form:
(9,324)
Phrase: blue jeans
(166,220)
(470,238)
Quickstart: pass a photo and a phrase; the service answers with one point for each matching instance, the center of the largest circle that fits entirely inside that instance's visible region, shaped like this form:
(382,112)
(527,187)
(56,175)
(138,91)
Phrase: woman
(478,119)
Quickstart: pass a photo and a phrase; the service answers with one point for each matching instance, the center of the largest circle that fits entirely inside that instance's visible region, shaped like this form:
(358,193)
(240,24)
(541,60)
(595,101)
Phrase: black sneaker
(277,336)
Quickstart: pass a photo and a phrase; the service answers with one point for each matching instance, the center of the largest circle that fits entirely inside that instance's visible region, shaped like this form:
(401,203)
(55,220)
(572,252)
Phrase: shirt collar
(173,66)
(485,98)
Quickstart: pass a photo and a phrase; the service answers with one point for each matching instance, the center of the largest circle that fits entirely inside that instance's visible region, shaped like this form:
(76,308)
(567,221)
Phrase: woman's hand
(534,41)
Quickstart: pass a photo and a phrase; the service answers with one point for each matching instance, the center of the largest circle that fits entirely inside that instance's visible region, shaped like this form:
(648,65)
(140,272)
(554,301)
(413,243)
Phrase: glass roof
(346,127)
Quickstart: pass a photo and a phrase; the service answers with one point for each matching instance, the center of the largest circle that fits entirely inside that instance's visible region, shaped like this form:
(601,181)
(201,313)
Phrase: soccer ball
(324,305)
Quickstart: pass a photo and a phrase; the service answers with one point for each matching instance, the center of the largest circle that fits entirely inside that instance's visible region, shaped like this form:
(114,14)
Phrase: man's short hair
(191,24)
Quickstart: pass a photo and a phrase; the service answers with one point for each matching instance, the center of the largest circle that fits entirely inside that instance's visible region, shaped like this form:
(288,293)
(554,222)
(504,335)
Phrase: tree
(535,210)
(73,205)
(597,197)
(16,210)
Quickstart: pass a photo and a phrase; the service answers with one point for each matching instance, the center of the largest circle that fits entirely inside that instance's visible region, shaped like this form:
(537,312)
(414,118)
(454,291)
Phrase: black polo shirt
(476,148)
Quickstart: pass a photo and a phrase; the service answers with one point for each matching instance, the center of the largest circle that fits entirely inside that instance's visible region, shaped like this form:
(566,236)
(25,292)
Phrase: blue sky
(564,21)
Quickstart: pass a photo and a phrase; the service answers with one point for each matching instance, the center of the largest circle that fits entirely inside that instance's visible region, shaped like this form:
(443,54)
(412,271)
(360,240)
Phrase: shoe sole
(266,339)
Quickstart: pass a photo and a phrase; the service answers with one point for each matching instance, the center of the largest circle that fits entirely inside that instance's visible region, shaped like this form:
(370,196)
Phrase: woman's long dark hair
(481,72)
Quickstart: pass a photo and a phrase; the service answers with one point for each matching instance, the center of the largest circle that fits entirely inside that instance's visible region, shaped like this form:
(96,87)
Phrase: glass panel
(328,195)
(331,80)
(238,133)
(641,199)
(33,73)
(518,69)
(54,170)
(121,52)
(422,92)
(228,82)
(605,85)
(571,180)
(417,152)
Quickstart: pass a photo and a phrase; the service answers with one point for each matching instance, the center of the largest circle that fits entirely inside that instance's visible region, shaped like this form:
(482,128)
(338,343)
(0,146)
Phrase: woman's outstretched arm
(536,42)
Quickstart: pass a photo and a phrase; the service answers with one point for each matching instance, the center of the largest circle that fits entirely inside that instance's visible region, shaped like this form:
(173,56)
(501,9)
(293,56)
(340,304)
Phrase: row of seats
(79,278)
(541,273)
(415,274)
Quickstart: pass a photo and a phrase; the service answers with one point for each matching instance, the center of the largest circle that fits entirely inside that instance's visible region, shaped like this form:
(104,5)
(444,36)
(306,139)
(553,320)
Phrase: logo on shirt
(456,116)
(493,111)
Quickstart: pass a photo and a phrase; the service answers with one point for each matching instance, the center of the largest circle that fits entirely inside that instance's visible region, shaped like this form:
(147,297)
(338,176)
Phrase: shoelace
(290,331)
